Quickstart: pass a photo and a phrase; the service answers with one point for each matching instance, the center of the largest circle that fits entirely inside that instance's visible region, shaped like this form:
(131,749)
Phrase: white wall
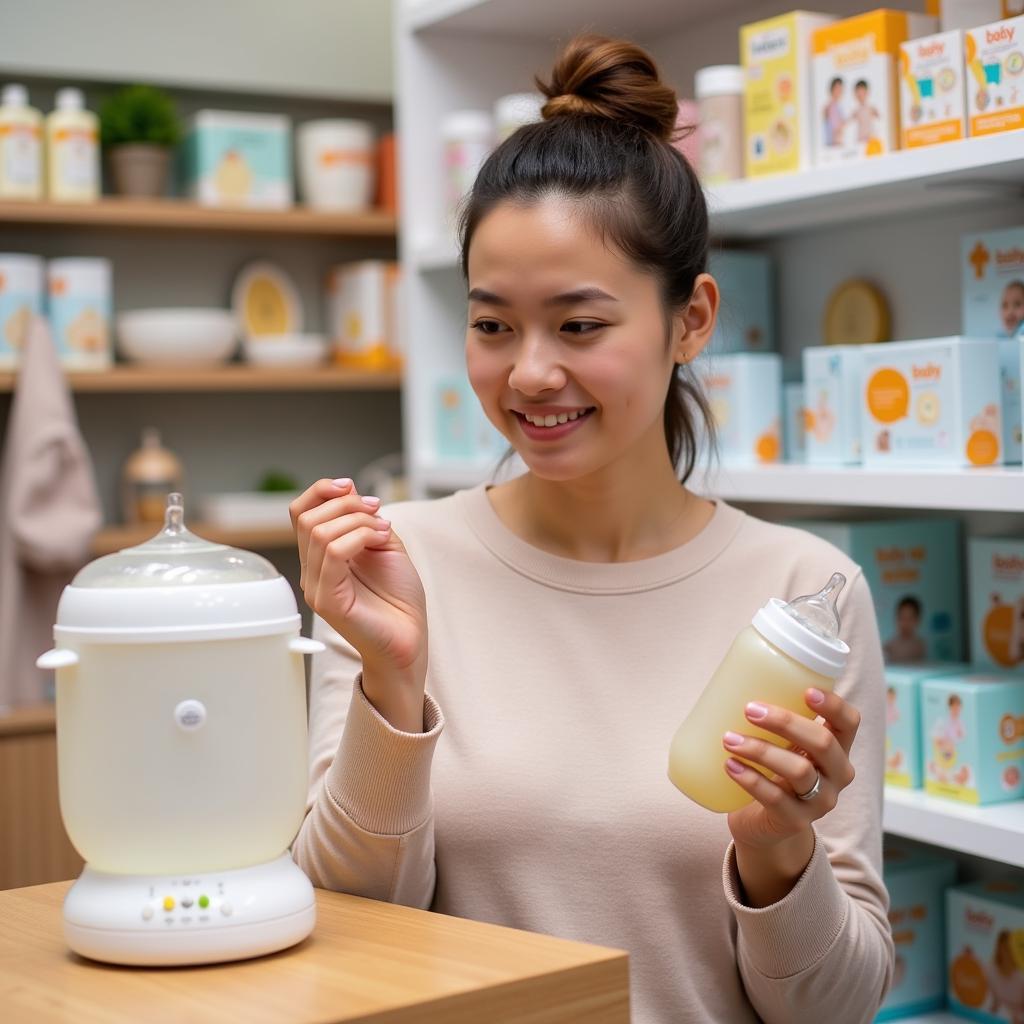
(326,48)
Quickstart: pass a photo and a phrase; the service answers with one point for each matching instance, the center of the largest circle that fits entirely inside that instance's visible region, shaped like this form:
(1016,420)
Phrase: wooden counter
(366,961)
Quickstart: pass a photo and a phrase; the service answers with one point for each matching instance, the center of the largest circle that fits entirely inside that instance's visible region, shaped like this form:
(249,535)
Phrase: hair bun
(602,77)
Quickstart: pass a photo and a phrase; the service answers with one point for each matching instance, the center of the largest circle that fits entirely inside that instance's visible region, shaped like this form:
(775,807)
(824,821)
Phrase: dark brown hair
(605,142)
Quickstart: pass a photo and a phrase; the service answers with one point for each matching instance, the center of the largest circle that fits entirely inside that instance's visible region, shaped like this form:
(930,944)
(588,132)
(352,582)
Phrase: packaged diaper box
(995,587)
(933,105)
(22,291)
(992,304)
(912,567)
(932,403)
(744,391)
(972,736)
(917,882)
(903,720)
(855,82)
(985,950)
(994,57)
(778,106)
(746,317)
(832,402)
(237,159)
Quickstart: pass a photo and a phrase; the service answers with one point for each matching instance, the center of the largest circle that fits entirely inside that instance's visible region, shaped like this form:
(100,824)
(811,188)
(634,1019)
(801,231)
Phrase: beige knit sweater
(545,804)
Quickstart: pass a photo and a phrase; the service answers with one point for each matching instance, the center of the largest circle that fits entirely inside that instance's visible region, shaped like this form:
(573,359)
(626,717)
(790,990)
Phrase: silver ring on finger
(813,791)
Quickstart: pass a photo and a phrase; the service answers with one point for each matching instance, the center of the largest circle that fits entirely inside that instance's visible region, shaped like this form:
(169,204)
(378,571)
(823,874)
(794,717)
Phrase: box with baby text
(994,58)
(972,736)
(916,881)
(932,403)
(933,107)
(995,591)
(985,950)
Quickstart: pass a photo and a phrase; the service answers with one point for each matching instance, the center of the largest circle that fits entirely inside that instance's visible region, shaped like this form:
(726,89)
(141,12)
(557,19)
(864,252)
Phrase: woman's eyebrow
(563,299)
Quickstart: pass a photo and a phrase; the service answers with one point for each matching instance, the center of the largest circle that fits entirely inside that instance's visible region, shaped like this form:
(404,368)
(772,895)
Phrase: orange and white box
(933,105)
(994,60)
(856,89)
(362,315)
(932,403)
(744,390)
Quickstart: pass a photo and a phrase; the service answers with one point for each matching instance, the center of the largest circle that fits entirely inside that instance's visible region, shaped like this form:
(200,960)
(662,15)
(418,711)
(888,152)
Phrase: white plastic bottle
(21,152)
(72,150)
(787,649)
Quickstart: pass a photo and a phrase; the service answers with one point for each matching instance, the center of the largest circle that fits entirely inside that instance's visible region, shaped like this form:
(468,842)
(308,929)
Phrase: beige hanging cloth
(49,512)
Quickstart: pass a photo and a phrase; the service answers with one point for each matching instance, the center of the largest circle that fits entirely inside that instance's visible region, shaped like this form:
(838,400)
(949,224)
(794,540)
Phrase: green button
(204,901)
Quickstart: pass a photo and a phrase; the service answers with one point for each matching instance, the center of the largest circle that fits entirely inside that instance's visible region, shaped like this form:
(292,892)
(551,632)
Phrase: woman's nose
(536,368)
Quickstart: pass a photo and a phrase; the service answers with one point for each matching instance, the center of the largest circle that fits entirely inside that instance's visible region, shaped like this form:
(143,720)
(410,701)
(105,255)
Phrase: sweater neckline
(597,577)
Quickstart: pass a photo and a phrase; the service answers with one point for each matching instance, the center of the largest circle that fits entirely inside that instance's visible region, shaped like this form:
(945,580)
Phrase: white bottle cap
(718,80)
(15,96)
(468,126)
(70,99)
(824,655)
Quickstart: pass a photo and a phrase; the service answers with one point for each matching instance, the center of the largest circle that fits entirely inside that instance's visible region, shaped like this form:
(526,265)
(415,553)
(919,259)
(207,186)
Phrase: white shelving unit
(902,217)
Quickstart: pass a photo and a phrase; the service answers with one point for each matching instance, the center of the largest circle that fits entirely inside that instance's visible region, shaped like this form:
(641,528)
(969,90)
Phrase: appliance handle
(57,658)
(304,645)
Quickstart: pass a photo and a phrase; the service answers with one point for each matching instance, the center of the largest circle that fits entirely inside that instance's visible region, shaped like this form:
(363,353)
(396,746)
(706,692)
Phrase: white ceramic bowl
(285,349)
(177,336)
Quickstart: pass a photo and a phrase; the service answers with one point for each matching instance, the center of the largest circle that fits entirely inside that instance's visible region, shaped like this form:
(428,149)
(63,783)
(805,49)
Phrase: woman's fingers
(337,557)
(793,768)
(820,744)
(842,718)
(325,535)
(767,793)
(317,494)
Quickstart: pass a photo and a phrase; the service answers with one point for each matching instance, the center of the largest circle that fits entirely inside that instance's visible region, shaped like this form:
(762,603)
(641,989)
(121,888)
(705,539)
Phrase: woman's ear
(693,326)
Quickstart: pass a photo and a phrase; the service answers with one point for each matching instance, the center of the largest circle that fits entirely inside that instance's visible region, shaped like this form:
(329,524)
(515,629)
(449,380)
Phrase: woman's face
(565,330)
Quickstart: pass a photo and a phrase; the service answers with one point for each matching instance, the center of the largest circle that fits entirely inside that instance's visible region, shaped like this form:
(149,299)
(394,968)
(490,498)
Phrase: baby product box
(972,736)
(362,314)
(933,106)
(237,159)
(912,567)
(903,720)
(832,386)
(744,391)
(794,422)
(21,297)
(80,304)
(995,589)
(985,950)
(777,99)
(992,297)
(746,317)
(856,87)
(994,56)
(462,431)
(932,403)
(917,883)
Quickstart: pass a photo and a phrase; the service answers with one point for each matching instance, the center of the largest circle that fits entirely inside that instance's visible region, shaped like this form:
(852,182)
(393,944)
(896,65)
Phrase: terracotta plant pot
(140,169)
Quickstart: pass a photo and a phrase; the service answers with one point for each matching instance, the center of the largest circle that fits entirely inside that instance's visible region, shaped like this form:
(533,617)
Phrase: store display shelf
(907,181)
(233,377)
(183,215)
(998,489)
(541,19)
(995,832)
(266,538)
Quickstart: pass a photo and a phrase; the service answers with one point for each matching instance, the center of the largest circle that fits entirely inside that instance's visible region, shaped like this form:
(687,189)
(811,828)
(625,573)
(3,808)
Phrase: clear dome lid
(175,557)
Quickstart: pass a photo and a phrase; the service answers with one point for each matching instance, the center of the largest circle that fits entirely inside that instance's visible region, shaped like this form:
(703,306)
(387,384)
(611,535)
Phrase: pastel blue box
(237,159)
(832,398)
(746,316)
(984,923)
(1010,383)
(744,391)
(903,720)
(913,569)
(463,432)
(794,433)
(917,883)
(995,592)
(972,737)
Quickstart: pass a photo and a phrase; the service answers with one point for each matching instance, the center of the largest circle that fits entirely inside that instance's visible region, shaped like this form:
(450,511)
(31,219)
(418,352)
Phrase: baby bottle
(786,649)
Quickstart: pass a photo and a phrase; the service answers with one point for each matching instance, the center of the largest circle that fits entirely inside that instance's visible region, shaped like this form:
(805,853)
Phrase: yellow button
(168,903)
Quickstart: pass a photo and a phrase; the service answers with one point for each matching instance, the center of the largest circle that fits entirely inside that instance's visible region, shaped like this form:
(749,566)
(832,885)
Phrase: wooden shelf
(995,832)
(231,377)
(184,215)
(265,538)
(28,721)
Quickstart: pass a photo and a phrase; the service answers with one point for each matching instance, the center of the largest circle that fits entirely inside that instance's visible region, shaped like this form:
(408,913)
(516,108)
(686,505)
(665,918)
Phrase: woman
(575,614)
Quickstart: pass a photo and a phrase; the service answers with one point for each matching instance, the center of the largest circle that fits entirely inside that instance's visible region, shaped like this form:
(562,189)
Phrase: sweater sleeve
(824,952)
(369,825)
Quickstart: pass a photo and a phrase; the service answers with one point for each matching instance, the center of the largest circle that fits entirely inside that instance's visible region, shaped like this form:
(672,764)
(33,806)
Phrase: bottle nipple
(818,612)
(174,517)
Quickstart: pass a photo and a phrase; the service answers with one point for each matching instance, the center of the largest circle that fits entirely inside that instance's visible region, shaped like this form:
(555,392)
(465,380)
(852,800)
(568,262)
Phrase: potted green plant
(139,127)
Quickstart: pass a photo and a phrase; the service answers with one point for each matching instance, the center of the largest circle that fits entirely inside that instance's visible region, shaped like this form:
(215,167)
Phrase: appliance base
(206,917)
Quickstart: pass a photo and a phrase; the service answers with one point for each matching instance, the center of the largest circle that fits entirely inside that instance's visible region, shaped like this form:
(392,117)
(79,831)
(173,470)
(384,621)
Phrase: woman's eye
(487,326)
(581,326)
